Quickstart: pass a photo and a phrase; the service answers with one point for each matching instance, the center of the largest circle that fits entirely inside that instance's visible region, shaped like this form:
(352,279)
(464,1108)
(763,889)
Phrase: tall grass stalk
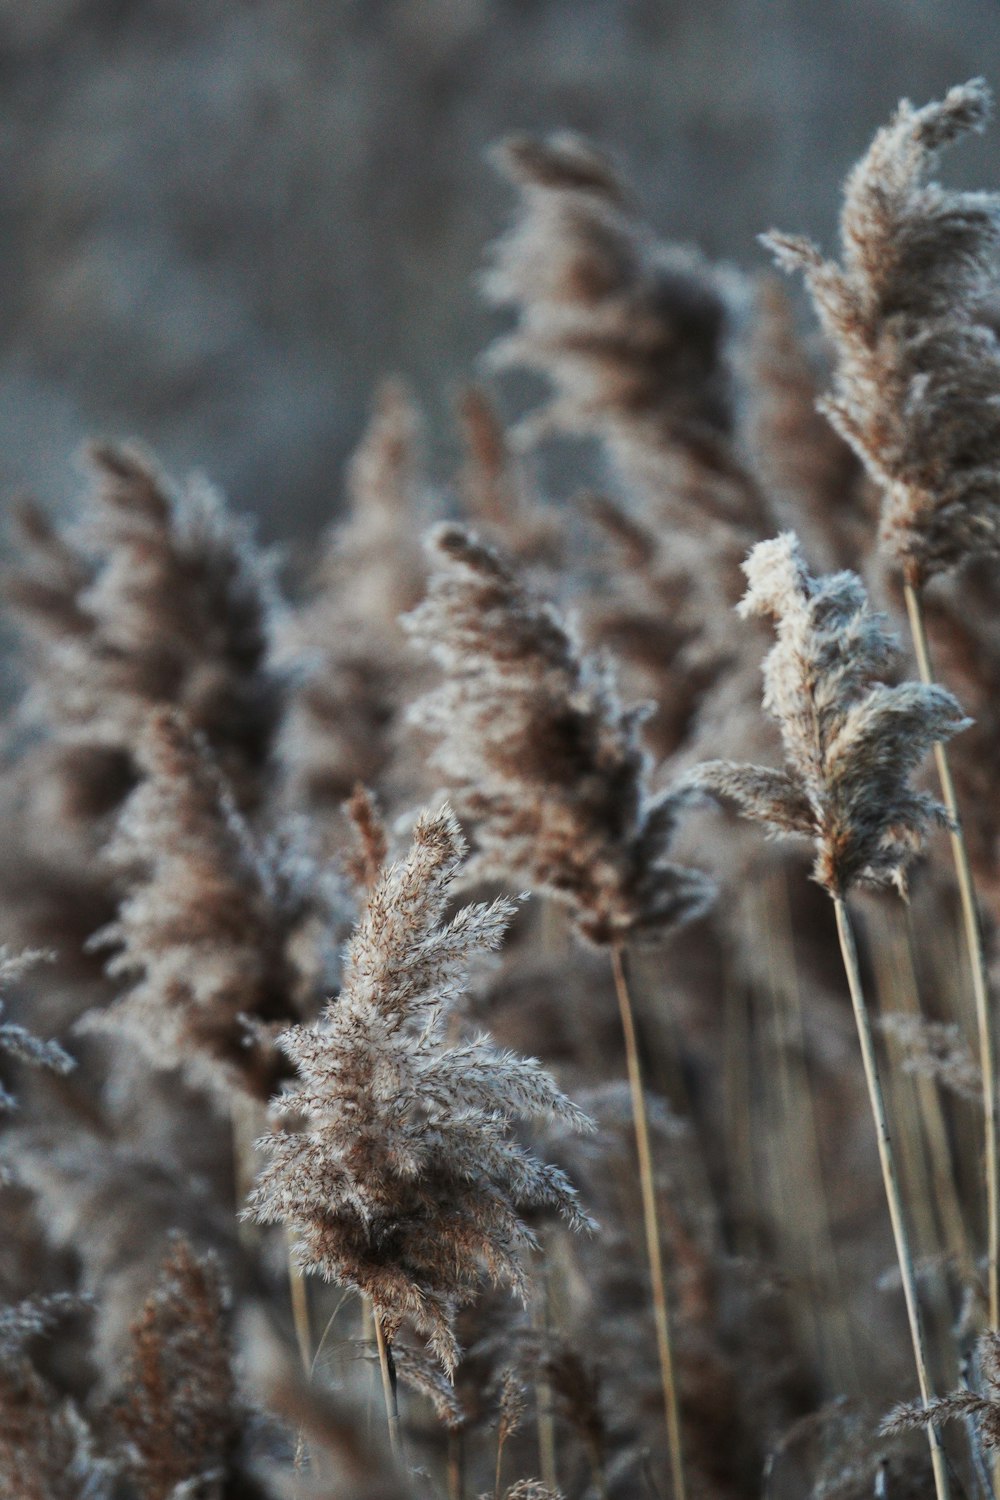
(300,1312)
(977,964)
(890,1180)
(388,1370)
(661,1312)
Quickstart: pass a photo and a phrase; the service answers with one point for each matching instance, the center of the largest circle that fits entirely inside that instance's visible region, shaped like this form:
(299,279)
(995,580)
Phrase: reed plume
(47,1450)
(539,755)
(343,643)
(204,931)
(405,1182)
(178,1418)
(551,771)
(918,370)
(159,596)
(916,392)
(851,744)
(154,596)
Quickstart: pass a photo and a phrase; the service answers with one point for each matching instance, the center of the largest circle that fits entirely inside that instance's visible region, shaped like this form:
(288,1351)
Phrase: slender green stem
(388,1369)
(977,963)
(891,1183)
(661,1314)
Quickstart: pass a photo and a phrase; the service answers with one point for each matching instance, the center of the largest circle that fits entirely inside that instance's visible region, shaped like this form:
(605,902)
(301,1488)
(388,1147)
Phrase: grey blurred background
(222,221)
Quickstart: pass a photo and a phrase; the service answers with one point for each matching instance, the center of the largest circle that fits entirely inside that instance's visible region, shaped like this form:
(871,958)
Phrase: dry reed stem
(543,1396)
(938,1243)
(947,1195)
(889,1178)
(300,1310)
(388,1388)
(808,1221)
(661,1313)
(977,963)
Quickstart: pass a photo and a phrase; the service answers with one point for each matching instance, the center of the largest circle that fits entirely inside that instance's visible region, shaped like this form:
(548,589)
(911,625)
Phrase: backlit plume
(851,741)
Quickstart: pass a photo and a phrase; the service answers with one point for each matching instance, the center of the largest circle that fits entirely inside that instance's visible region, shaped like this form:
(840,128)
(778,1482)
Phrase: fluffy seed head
(851,741)
(539,754)
(917,384)
(405,1181)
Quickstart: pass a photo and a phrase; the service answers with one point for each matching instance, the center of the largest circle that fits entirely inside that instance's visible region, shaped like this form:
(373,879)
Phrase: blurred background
(222,221)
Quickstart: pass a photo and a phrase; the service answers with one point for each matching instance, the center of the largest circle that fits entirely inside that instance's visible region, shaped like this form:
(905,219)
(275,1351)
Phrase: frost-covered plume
(851,741)
(540,756)
(405,1181)
(917,385)
(203,933)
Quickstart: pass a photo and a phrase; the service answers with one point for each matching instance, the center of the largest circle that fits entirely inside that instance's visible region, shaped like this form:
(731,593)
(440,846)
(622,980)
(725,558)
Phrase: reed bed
(414,1082)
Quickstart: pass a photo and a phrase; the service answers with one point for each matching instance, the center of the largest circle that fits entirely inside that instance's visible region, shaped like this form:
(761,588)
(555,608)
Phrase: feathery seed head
(204,929)
(405,1182)
(917,384)
(851,741)
(540,756)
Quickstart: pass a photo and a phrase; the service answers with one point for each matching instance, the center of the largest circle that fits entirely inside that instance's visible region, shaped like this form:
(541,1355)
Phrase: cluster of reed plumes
(412,1083)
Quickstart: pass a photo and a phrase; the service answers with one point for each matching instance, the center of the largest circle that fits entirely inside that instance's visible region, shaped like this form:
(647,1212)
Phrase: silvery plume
(405,1181)
(917,383)
(851,741)
(539,754)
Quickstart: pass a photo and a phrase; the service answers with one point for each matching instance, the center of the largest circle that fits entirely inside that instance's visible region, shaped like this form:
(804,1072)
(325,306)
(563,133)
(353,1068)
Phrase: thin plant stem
(543,1398)
(977,963)
(456,1466)
(388,1369)
(300,1311)
(661,1314)
(890,1181)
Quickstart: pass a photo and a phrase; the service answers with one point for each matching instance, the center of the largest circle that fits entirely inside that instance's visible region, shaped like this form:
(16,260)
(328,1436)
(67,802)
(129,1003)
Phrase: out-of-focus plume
(47,1451)
(155,596)
(635,335)
(178,1415)
(813,477)
(204,931)
(345,642)
(17,1042)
